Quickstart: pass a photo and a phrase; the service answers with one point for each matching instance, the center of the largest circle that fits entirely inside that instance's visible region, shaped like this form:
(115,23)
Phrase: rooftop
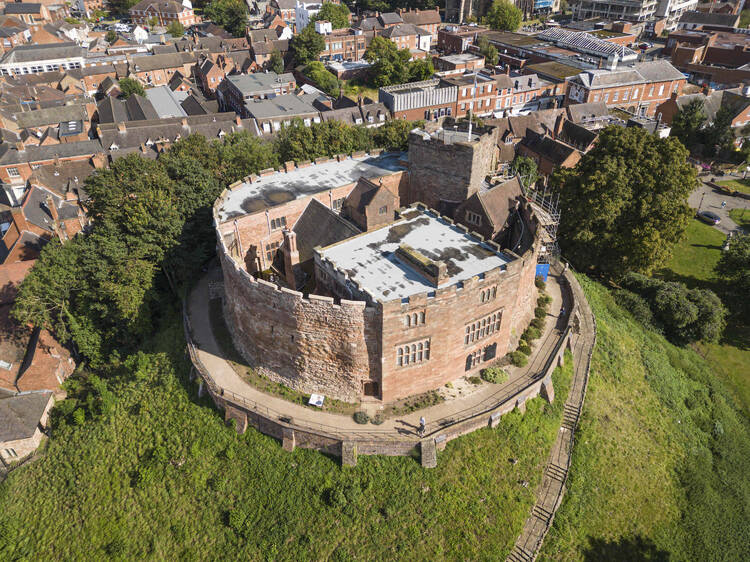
(281,187)
(20,414)
(259,82)
(372,261)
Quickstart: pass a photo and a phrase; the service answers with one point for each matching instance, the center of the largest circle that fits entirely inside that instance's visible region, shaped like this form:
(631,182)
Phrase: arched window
(408,320)
(421,317)
(420,349)
(413,353)
(400,357)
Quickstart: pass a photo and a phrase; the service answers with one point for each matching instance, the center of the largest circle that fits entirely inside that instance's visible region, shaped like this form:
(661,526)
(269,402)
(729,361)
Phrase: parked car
(709,217)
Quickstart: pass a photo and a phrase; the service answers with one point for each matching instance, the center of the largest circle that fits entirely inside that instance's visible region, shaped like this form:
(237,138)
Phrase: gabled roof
(51,116)
(728,20)
(20,415)
(499,201)
(162,6)
(23,8)
(34,53)
(320,226)
(580,112)
(363,194)
(575,134)
(550,149)
(421,17)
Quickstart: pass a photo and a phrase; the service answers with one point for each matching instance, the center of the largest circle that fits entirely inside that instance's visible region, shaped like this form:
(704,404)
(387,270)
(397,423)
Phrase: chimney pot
(121,127)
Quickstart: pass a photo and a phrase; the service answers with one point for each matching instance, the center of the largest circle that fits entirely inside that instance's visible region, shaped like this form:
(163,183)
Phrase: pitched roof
(553,150)
(267,47)
(580,112)
(162,6)
(259,82)
(728,20)
(421,17)
(23,8)
(287,105)
(51,116)
(578,136)
(320,226)
(49,152)
(499,201)
(20,415)
(34,53)
(403,30)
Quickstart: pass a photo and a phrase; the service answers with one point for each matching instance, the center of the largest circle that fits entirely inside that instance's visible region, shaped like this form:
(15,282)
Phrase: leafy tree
(394,134)
(176,29)
(307,45)
(420,69)
(229,14)
(504,15)
(390,65)
(324,79)
(337,14)
(718,135)
(130,86)
(527,168)
(687,123)
(488,51)
(624,205)
(298,142)
(275,63)
(110,37)
(153,22)
(734,267)
(243,154)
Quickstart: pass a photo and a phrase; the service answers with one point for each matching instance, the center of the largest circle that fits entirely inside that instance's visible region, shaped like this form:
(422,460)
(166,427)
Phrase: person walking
(723,204)
(562,311)
(422,425)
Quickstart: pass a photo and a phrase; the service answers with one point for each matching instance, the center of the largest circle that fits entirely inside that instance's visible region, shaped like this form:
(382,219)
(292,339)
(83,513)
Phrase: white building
(304,12)
(33,59)
(672,10)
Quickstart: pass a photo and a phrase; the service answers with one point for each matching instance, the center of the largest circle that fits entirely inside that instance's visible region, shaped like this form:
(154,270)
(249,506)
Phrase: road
(711,201)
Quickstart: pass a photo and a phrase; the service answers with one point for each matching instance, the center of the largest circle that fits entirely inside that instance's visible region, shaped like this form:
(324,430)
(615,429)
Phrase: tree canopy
(504,15)
(176,29)
(324,79)
(624,205)
(337,14)
(130,86)
(526,168)
(275,62)
(487,50)
(734,267)
(307,45)
(391,65)
(687,123)
(229,14)
(110,37)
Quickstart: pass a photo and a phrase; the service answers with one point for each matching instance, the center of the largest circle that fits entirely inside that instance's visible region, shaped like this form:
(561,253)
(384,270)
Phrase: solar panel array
(584,42)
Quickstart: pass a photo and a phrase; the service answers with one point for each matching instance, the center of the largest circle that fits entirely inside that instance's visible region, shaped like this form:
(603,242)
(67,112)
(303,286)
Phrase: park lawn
(743,186)
(741,217)
(659,470)
(693,263)
(161,476)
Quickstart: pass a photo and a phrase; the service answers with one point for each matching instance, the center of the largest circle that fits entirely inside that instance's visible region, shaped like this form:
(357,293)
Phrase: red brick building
(164,11)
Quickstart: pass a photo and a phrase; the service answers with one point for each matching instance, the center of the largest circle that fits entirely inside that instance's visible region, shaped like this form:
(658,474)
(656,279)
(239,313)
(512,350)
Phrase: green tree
(718,135)
(420,69)
(687,123)
(275,62)
(390,65)
(298,142)
(734,268)
(130,86)
(110,37)
(624,205)
(504,15)
(394,134)
(153,22)
(488,51)
(337,14)
(243,154)
(229,14)
(176,29)
(307,45)
(527,168)
(324,79)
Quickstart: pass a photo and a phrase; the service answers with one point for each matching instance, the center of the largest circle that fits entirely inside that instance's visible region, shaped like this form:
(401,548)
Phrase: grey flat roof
(371,261)
(166,102)
(281,187)
(288,105)
(259,81)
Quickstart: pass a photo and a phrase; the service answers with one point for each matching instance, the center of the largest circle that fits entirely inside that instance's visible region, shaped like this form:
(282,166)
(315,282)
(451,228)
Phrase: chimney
(291,257)
(52,208)
(238,120)
(99,160)
(507,69)
(558,126)
(359,100)
(20,147)
(19,219)
(121,127)
(184,122)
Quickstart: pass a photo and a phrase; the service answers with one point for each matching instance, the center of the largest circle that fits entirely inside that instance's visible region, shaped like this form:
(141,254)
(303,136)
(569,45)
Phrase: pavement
(708,199)
(482,397)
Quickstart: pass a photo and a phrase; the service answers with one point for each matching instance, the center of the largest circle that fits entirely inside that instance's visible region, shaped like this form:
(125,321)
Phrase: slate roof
(403,30)
(580,112)
(267,47)
(499,201)
(260,82)
(35,53)
(20,415)
(287,105)
(421,17)
(728,20)
(320,226)
(163,6)
(22,8)
(49,152)
(553,150)
(36,212)
(362,194)
(261,35)
(64,177)
(575,134)
(157,62)
(51,116)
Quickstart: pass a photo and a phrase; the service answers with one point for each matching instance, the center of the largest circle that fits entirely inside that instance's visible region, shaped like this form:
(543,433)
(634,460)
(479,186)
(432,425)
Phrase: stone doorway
(371,389)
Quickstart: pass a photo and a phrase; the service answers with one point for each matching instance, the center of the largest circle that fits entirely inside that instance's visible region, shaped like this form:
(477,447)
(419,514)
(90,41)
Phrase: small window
(473,218)
(338,203)
(13,172)
(383,210)
(278,223)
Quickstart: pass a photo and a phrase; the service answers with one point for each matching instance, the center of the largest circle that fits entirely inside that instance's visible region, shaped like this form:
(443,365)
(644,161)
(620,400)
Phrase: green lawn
(693,263)
(162,477)
(741,217)
(742,186)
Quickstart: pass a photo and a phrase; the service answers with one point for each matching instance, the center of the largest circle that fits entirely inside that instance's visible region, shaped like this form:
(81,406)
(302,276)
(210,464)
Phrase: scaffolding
(546,206)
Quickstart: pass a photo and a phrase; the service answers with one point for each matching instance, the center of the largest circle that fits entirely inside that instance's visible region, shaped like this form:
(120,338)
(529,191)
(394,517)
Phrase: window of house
(278,223)
(625,96)
(482,328)
(13,172)
(11,453)
(413,353)
(473,218)
(615,96)
(661,90)
(338,203)
(487,102)
(488,294)
(606,98)
(271,249)
(651,91)
(635,93)
(383,210)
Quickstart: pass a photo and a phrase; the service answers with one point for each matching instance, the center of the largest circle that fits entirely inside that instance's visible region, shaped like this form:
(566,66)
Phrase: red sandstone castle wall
(311,345)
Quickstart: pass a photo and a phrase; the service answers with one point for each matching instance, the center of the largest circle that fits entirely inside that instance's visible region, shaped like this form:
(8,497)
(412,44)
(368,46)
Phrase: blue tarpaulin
(542,270)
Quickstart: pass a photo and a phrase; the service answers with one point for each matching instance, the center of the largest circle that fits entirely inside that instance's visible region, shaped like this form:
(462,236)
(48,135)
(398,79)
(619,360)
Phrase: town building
(457,38)
(236,90)
(23,418)
(272,114)
(13,32)
(164,12)
(428,99)
(428,20)
(34,59)
(716,58)
(460,63)
(347,45)
(711,21)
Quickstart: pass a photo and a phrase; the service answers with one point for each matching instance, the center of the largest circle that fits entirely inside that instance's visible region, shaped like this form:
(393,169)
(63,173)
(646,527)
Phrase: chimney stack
(291,257)
(52,208)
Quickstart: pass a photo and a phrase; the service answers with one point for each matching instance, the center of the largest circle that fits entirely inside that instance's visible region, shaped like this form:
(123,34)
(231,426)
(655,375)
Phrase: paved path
(552,488)
(485,397)
(710,199)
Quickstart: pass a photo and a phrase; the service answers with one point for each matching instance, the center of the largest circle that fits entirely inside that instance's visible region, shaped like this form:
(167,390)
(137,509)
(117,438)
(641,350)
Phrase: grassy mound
(161,476)
(662,456)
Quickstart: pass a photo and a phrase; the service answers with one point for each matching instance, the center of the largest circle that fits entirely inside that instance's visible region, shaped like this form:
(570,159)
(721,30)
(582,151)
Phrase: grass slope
(161,476)
(662,457)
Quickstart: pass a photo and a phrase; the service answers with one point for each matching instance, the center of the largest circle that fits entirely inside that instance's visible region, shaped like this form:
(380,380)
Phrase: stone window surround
(413,353)
(483,327)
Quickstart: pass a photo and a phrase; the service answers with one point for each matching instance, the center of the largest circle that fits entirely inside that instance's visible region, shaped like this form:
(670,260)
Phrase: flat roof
(370,259)
(278,188)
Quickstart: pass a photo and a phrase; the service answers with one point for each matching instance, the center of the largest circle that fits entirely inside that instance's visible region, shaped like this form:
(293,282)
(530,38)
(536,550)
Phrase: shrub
(637,306)
(518,359)
(544,300)
(79,416)
(377,419)
(361,417)
(474,380)
(531,334)
(540,312)
(537,323)
(324,79)
(524,347)
(335,497)
(540,283)
(495,375)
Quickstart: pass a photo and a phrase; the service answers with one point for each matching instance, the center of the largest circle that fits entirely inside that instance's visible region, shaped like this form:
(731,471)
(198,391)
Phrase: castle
(383,275)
